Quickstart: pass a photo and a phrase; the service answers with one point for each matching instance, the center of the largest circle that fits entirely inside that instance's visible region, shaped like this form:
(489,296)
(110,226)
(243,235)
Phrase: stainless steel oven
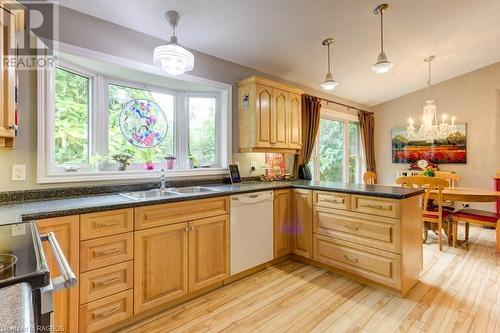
(24,260)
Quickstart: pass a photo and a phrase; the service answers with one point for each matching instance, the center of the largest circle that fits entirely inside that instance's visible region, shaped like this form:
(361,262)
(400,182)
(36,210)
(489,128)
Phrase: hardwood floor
(459,292)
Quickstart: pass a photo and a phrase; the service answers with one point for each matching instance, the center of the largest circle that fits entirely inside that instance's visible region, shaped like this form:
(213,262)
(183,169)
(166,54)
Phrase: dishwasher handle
(252,198)
(67,279)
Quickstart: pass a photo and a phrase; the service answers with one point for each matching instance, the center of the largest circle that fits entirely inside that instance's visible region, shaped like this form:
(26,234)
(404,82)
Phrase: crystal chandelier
(430,130)
(173,58)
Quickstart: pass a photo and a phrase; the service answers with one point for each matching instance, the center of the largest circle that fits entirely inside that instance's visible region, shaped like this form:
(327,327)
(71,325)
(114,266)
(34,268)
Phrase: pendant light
(173,58)
(382,65)
(329,83)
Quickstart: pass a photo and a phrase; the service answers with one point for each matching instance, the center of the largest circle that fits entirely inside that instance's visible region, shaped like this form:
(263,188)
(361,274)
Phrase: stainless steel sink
(192,190)
(148,195)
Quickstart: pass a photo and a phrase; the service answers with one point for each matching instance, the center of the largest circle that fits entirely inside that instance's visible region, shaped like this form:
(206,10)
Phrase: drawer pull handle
(350,227)
(102,253)
(105,314)
(107,281)
(355,261)
(186,229)
(370,205)
(337,200)
(107,224)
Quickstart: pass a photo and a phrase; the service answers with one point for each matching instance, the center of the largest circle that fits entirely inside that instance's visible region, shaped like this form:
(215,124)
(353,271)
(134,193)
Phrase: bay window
(82,115)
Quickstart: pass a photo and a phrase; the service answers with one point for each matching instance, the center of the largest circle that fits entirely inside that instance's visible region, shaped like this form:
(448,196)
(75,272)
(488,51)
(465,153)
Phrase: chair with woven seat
(475,216)
(369,178)
(433,214)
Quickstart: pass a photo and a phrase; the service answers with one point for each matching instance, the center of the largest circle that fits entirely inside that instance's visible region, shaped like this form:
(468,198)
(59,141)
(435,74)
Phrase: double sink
(168,192)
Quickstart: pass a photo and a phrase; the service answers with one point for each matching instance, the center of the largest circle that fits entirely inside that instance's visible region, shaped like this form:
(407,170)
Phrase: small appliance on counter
(22,259)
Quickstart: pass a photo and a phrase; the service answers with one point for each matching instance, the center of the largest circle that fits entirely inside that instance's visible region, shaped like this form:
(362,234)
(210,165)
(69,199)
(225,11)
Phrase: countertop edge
(24,217)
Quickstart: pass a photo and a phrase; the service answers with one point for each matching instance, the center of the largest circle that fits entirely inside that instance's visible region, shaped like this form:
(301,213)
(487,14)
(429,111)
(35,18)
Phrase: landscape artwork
(453,149)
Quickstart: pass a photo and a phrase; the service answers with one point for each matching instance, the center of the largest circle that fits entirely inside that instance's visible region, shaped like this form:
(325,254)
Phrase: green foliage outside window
(202,137)
(331,150)
(71,117)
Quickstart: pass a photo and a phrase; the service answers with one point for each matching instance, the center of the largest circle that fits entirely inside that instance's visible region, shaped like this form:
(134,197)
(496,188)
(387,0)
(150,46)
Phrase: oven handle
(67,279)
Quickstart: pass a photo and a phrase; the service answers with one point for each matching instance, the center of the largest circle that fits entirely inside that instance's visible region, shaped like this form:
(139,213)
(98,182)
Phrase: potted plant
(123,160)
(147,157)
(192,161)
(170,162)
(429,172)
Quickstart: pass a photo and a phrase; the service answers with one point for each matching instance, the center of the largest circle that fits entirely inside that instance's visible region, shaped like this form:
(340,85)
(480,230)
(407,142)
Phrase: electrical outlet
(253,166)
(19,172)
(18,229)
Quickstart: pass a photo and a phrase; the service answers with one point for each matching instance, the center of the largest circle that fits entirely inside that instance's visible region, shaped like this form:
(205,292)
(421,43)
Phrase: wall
(474,98)
(92,33)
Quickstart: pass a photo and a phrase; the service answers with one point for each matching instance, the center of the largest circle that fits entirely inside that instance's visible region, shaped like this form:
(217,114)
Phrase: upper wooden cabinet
(269,116)
(11,21)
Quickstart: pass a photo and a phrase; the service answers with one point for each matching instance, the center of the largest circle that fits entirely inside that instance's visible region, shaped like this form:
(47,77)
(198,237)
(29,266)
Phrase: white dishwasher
(252,240)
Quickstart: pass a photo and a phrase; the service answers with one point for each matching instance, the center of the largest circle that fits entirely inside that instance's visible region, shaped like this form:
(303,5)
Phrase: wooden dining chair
(369,178)
(433,213)
(475,216)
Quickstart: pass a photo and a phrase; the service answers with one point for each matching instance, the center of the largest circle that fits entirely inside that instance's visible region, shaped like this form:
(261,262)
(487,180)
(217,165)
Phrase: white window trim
(345,118)
(45,83)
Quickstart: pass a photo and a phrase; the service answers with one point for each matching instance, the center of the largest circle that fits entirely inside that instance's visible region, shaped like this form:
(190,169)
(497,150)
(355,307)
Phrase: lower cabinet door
(160,265)
(302,223)
(208,251)
(282,222)
(65,301)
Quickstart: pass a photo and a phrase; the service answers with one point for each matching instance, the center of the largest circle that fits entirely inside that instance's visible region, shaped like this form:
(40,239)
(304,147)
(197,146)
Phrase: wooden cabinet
(160,265)
(269,115)
(208,251)
(65,301)
(282,222)
(302,222)
(11,21)
(107,223)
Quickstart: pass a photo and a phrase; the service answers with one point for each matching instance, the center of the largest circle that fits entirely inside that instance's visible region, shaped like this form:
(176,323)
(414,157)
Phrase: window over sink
(84,131)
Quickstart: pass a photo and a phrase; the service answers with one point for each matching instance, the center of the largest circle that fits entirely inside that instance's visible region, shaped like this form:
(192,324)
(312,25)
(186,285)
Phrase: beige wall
(95,34)
(474,98)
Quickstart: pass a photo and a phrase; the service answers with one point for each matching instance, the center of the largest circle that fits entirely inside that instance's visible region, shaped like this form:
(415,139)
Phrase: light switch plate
(19,172)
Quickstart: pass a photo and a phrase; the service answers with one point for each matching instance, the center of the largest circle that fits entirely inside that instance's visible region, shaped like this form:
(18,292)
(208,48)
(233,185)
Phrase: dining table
(465,195)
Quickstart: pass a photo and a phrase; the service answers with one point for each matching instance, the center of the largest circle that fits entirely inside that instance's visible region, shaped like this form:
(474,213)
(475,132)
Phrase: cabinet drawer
(102,252)
(375,206)
(105,312)
(106,281)
(95,225)
(379,266)
(379,232)
(331,200)
(158,215)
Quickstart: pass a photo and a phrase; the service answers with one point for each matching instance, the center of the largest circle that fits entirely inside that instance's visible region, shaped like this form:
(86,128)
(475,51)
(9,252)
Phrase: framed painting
(453,149)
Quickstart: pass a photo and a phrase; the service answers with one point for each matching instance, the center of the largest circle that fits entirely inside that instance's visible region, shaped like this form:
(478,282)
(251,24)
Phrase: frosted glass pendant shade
(173,59)
(329,83)
(382,65)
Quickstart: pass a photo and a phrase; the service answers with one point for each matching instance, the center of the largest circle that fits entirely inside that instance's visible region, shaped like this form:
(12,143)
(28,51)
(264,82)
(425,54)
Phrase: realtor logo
(34,26)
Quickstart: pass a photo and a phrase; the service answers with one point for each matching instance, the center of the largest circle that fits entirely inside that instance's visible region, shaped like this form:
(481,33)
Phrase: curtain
(310,124)
(367,129)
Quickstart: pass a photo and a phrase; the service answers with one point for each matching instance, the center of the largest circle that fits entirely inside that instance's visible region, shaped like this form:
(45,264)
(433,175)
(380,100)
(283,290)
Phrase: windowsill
(87,176)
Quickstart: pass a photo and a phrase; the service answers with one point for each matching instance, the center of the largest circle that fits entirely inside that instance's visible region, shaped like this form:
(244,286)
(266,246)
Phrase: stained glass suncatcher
(143,123)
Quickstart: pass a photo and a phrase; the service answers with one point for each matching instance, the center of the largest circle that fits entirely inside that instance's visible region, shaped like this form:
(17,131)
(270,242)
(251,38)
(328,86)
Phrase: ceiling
(283,37)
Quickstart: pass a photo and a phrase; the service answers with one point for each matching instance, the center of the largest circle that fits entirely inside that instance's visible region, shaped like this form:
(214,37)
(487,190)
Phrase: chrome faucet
(162,181)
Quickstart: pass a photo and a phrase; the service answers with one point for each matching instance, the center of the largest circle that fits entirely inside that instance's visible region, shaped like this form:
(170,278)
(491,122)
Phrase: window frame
(345,118)
(47,173)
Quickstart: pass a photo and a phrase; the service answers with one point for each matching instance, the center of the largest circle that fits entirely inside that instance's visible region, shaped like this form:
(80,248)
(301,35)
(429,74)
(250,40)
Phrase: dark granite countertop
(34,210)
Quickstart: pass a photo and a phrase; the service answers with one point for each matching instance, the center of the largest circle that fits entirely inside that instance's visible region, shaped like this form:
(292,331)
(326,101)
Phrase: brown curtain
(367,127)
(311,107)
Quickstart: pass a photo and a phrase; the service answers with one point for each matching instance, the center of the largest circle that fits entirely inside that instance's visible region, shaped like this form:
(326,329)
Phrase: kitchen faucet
(162,181)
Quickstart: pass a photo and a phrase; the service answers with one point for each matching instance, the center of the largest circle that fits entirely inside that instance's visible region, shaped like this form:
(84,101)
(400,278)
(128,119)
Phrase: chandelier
(430,130)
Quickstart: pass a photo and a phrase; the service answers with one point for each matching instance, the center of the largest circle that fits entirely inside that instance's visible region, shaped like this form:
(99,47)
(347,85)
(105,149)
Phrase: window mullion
(182,130)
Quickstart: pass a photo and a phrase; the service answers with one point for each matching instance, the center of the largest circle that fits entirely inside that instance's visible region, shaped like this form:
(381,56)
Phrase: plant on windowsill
(192,162)
(429,172)
(123,160)
(147,157)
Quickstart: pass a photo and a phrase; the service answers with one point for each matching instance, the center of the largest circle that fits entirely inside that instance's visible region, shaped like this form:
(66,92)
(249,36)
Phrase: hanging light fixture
(329,83)
(430,130)
(173,58)
(382,65)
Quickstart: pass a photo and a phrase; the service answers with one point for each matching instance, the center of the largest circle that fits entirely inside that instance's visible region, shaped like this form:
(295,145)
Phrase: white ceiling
(283,37)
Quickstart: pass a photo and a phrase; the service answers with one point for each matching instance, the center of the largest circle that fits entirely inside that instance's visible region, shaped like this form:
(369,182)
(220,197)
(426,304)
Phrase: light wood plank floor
(459,292)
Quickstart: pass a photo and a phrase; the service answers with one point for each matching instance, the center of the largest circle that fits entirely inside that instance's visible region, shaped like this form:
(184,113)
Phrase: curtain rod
(344,105)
